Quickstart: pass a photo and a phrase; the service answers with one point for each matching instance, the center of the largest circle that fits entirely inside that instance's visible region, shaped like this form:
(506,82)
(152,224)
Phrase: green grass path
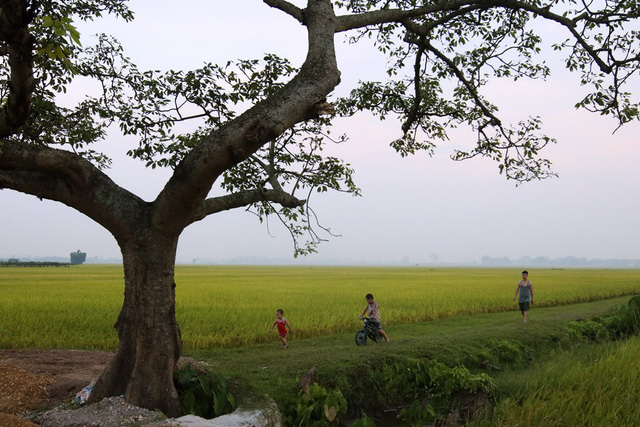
(274,371)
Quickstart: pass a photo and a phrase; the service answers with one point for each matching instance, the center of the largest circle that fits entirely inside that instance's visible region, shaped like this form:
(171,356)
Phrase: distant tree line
(17,263)
(568,261)
(76,258)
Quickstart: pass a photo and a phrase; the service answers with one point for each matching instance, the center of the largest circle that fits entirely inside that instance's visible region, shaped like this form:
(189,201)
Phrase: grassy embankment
(595,384)
(468,340)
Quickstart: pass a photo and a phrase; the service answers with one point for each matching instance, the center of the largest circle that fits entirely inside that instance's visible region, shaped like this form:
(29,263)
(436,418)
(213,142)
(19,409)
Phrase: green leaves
(472,43)
(418,415)
(173,111)
(319,407)
(363,422)
(62,27)
(440,380)
(203,393)
(295,163)
(57,48)
(57,38)
(516,149)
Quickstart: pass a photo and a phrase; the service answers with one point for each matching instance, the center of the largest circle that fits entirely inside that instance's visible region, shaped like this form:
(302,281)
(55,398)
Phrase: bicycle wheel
(377,337)
(361,338)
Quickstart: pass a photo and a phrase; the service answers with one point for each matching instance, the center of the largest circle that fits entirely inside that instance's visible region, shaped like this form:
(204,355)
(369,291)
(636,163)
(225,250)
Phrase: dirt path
(35,379)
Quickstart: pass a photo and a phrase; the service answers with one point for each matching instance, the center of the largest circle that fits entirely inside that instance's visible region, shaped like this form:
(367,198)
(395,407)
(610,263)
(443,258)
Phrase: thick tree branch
(425,29)
(237,140)
(287,8)
(361,20)
(348,22)
(245,198)
(67,178)
(14,21)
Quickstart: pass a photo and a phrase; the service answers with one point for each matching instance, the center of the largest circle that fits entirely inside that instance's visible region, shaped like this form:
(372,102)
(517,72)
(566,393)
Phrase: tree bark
(17,43)
(150,344)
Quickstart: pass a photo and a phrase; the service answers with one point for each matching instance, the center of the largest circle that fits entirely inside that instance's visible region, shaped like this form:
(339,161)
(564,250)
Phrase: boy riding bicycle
(373,313)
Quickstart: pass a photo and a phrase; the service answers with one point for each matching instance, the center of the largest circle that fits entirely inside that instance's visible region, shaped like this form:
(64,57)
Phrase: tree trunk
(150,344)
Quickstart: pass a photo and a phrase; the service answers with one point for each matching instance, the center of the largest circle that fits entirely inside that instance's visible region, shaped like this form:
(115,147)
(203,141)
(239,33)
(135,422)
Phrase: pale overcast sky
(411,208)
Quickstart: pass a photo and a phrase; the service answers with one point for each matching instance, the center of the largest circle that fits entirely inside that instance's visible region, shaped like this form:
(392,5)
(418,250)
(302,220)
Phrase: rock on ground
(115,412)
(268,416)
(109,412)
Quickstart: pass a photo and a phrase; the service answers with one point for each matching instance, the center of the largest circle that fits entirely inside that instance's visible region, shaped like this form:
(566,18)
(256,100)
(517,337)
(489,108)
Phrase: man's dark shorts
(376,325)
(524,306)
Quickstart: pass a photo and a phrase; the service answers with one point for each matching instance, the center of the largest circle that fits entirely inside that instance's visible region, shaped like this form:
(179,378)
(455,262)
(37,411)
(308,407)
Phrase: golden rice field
(76,307)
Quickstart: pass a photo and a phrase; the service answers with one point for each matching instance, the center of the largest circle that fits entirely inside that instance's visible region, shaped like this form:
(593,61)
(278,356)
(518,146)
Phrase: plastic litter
(83,395)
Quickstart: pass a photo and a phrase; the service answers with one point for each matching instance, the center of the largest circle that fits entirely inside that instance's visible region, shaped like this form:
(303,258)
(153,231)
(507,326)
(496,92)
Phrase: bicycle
(368,331)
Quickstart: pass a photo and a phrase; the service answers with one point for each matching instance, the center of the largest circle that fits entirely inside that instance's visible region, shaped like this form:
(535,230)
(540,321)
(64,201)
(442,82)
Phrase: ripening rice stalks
(216,306)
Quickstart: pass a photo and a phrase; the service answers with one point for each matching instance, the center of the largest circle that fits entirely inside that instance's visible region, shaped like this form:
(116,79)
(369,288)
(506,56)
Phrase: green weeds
(418,414)
(435,388)
(594,380)
(597,384)
(434,379)
(318,407)
(622,322)
(203,393)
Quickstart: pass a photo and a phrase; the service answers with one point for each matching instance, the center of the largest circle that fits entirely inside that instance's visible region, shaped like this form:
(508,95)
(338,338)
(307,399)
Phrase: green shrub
(373,384)
(590,330)
(319,407)
(507,351)
(622,322)
(418,415)
(363,422)
(626,319)
(203,394)
(483,356)
(440,380)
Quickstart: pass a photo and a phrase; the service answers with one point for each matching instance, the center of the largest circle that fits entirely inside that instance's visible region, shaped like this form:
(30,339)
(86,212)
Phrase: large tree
(261,125)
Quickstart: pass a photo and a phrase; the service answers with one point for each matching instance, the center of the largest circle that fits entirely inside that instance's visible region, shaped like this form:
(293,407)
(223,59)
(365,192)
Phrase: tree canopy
(260,125)
(427,44)
(77,257)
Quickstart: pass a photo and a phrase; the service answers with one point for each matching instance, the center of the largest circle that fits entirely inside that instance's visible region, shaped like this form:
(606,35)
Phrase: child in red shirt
(282,325)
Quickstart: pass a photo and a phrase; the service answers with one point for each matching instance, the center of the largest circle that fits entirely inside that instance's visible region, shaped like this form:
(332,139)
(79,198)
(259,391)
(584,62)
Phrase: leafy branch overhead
(153,104)
(289,165)
(470,42)
(440,57)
